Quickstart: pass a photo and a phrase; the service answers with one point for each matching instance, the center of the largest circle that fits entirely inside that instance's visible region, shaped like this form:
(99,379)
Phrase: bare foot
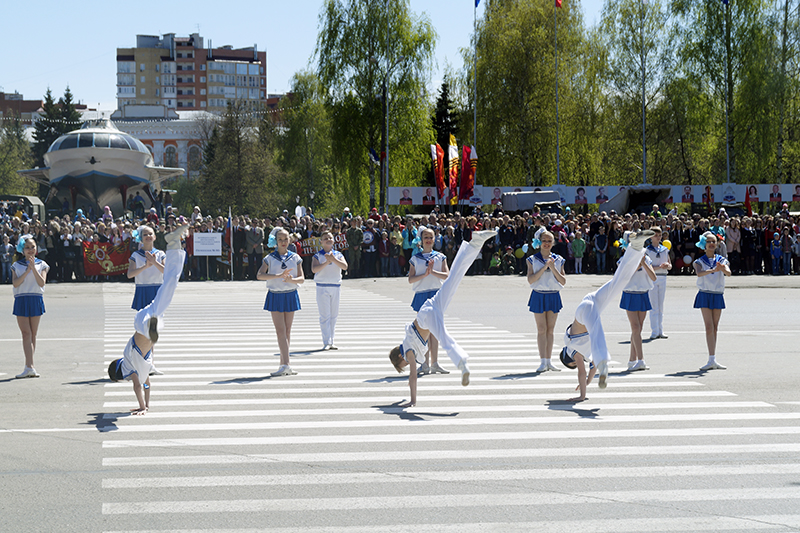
(407,404)
(577,399)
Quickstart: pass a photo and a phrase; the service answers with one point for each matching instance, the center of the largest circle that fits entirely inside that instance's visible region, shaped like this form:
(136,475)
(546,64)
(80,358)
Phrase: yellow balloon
(667,244)
(616,244)
(519,253)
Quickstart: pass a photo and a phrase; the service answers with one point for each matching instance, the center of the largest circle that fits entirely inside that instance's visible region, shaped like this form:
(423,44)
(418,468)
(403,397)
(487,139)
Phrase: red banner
(105,259)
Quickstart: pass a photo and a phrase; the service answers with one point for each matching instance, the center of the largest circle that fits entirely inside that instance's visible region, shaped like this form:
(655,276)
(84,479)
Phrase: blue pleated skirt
(282,302)
(421,297)
(635,301)
(541,302)
(709,300)
(29,305)
(143,296)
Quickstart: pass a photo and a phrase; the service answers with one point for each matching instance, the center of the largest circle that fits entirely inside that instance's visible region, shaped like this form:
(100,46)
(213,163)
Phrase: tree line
(711,85)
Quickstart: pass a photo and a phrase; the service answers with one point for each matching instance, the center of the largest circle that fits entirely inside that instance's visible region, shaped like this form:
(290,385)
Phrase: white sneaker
(602,371)
(480,237)
(637,239)
(464,372)
(29,372)
(551,368)
(173,238)
(424,369)
(639,365)
(156,372)
(332,347)
(436,369)
(283,370)
(542,367)
(707,366)
(662,336)
(631,364)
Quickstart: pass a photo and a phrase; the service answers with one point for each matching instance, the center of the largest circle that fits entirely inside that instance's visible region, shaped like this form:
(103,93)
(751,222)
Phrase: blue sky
(75,44)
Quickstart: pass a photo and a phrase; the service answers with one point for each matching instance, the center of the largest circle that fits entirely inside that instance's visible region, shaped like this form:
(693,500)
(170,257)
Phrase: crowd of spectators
(380,245)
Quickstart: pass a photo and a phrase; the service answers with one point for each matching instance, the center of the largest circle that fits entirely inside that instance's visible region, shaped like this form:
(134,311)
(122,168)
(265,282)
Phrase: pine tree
(55,121)
(46,128)
(445,120)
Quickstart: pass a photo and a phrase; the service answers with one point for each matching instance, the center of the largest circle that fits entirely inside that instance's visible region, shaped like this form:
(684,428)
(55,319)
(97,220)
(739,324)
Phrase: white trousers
(657,294)
(328,305)
(591,308)
(431,314)
(173,266)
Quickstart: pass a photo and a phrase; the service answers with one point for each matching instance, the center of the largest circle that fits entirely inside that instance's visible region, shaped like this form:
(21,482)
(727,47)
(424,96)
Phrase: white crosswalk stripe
(227,448)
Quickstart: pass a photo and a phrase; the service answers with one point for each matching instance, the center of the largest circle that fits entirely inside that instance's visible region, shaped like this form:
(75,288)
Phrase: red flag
(467,173)
(453,171)
(437,154)
(747,202)
(558,3)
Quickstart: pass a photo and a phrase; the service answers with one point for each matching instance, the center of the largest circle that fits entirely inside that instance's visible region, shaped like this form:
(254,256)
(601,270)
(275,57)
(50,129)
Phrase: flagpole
(644,117)
(475,83)
(558,151)
(230,243)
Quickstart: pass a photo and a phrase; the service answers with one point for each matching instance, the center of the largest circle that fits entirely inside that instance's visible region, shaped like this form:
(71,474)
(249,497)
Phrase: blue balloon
(525,248)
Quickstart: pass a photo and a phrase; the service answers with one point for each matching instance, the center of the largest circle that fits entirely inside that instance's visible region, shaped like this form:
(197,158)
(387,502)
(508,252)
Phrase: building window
(202,92)
(156,67)
(203,66)
(202,79)
(157,92)
(170,157)
(195,159)
(143,93)
(141,79)
(202,104)
(141,67)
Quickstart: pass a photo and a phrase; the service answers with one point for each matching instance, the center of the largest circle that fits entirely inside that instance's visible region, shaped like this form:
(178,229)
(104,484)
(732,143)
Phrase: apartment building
(180,73)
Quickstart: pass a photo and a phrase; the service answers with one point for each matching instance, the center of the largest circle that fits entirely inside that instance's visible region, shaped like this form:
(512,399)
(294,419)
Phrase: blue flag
(479,1)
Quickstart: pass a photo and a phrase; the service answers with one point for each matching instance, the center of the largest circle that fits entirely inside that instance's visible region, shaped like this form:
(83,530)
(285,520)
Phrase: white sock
(630,364)
(712,359)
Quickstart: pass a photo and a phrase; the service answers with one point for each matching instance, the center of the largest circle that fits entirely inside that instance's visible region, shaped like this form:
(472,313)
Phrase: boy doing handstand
(137,362)
(585,340)
(430,320)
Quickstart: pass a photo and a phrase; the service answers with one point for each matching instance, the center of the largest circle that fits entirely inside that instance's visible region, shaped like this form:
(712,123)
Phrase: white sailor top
(151,275)
(640,282)
(331,274)
(420,262)
(658,256)
(29,287)
(548,281)
(714,283)
(276,264)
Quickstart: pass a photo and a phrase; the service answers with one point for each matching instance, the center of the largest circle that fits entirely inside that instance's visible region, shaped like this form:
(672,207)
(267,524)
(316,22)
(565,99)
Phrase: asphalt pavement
(227,448)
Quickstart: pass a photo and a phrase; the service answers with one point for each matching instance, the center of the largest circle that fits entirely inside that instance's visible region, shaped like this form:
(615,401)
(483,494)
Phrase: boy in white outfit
(584,340)
(659,255)
(327,266)
(430,320)
(137,363)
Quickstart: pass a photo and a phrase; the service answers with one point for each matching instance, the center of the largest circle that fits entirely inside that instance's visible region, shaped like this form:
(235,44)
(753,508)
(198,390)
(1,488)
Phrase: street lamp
(385,188)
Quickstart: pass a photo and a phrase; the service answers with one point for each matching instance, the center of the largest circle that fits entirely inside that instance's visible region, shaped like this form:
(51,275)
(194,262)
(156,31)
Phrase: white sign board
(207,244)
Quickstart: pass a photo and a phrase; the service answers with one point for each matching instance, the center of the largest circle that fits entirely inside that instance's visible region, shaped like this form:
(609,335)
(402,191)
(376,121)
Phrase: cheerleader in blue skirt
(546,278)
(283,272)
(28,277)
(636,302)
(427,271)
(146,267)
(711,270)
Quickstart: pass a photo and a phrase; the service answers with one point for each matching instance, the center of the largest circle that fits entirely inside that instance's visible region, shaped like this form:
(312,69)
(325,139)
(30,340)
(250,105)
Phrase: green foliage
(15,154)
(239,169)
(305,146)
(361,47)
